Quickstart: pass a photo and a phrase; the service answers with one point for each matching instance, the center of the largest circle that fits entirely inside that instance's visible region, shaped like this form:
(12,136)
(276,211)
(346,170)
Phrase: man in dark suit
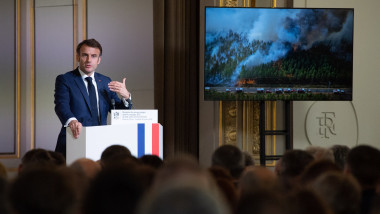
(83,97)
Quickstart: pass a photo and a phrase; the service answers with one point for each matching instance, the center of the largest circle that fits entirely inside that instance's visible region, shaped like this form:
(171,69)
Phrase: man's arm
(62,106)
(62,100)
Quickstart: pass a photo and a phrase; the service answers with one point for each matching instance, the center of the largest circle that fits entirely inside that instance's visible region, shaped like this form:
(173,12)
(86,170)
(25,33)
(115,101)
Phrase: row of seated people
(337,180)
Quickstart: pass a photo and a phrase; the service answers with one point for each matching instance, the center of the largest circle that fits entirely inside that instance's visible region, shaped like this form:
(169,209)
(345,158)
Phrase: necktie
(93,101)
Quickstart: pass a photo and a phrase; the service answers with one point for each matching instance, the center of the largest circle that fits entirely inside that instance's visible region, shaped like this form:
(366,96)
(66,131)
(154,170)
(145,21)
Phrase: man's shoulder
(101,76)
(73,73)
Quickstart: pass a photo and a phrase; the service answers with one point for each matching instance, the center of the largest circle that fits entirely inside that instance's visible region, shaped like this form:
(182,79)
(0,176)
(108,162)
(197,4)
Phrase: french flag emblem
(147,133)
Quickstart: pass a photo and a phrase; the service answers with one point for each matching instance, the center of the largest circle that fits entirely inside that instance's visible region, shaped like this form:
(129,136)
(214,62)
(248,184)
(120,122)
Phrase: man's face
(88,59)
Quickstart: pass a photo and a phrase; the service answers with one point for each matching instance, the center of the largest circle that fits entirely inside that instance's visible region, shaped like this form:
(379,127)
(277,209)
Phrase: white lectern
(139,138)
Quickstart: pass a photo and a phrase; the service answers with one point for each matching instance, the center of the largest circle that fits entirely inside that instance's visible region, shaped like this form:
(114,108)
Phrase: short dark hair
(91,43)
(115,153)
(340,154)
(229,157)
(294,162)
(43,190)
(364,163)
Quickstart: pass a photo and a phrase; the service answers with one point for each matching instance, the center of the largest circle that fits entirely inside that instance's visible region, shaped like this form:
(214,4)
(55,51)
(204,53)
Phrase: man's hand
(119,88)
(75,127)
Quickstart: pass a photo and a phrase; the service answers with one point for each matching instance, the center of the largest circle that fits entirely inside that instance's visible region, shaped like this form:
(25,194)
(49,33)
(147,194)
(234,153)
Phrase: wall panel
(8,86)
(53,56)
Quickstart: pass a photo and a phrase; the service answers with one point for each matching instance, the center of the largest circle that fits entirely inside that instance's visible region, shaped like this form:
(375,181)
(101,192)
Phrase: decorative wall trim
(220,123)
(75,31)
(32,76)
(84,19)
(17,80)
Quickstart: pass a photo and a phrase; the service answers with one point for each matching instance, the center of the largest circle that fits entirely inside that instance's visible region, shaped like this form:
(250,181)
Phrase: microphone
(113,103)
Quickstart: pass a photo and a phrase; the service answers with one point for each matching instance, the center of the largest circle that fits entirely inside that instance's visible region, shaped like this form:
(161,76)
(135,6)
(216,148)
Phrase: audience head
(40,158)
(293,162)
(248,159)
(341,192)
(86,168)
(58,158)
(256,178)
(186,196)
(181,167)
(152,160)
(262,201)
(231,158)
(320,153)
(114,154)
(363,162)
(226,185)
(340,154)
(306,201)
(291,165)
(43,191)
(116,189)
(317,168)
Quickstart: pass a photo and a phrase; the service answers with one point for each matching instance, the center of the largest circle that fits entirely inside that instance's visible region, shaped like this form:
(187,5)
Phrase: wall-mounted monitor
(278,53)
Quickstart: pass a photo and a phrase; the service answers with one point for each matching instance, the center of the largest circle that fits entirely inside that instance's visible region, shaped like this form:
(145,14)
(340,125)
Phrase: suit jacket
(71,100)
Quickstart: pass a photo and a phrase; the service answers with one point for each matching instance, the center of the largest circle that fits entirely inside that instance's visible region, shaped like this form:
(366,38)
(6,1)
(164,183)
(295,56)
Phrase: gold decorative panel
(228,119)
(229,3)
(238,3)
(251,135)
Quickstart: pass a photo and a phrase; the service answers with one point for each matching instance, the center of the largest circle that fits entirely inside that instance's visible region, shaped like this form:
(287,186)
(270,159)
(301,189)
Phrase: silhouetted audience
(257,178)
(290,167)
(226,184)
(86,168)
(152,160)
(231,158)
(114,154)
(40,158)
(307,181)
(248,159)
(341,192)
(306,201)
(340,154)
(85,171)
(116,189)
(321,153)
(363,162)
(315,169)
(185,197)
(182,186)
(261,201)
(58,158)
(44,191)
(4,200)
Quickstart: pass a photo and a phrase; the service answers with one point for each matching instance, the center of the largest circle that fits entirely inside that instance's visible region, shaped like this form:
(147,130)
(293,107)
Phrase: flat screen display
(278,53)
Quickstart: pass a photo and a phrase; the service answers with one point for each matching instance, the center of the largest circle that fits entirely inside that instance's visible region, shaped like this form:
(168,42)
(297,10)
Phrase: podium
(139,138)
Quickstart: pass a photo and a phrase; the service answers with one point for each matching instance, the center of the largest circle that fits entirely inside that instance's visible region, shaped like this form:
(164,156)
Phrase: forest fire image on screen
(278,54)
